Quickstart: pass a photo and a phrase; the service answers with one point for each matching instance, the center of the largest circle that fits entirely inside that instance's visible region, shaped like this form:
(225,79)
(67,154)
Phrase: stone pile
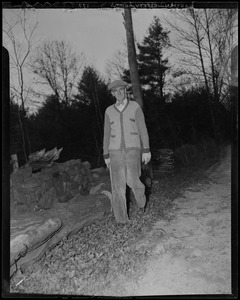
(31,191)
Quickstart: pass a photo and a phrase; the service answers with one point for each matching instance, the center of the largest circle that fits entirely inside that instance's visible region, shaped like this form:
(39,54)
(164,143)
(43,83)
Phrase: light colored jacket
(125,129)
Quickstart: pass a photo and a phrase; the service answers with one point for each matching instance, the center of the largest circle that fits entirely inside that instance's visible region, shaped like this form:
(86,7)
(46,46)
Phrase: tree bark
(198,39)
(127,15)
(234,98)
(214,78)
(132,60)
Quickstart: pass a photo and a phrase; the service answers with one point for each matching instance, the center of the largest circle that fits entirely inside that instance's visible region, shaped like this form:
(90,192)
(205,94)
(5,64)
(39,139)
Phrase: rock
(44,175)
(60,182)
(84,191)
(65,176)
(55,168)
(46,185)
(47,199)
(73,186)
(31,184)
(20,209)
(17,178)
(86,165)
(26,172)
(73,171)
(96,176)
(78,178)
(66,164)
(65,198)
(21,195)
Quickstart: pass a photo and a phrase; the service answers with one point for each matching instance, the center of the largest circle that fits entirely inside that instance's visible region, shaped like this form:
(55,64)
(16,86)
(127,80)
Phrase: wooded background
(191,105)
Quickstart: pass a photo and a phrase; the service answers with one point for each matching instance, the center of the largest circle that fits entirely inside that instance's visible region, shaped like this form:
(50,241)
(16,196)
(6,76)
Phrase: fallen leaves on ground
(102,253)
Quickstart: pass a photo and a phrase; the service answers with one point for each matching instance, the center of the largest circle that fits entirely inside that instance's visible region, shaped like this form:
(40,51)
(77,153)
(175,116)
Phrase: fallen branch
(109,195)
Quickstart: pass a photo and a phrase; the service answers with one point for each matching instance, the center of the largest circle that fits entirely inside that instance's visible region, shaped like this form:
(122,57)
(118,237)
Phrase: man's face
(119,93)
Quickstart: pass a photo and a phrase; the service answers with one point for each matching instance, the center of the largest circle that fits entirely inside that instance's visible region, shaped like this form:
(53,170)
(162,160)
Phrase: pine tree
(152,66)
(92,90)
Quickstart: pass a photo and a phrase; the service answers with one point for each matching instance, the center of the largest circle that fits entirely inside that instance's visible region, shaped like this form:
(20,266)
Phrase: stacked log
(163,160)
(31,191)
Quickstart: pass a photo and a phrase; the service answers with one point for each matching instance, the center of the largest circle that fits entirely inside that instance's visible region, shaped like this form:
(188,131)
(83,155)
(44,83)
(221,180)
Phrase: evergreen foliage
(77,125)
(185,120)
(151,65)
(78,128)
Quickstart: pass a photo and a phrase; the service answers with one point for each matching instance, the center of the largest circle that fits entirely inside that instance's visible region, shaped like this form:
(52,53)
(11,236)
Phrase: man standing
(125,144)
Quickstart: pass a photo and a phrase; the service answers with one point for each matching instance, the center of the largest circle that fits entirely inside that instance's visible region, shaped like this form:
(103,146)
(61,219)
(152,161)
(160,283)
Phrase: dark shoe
(122,225)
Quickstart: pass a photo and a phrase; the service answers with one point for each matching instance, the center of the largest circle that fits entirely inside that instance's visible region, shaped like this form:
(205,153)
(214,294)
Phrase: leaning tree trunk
(132,61)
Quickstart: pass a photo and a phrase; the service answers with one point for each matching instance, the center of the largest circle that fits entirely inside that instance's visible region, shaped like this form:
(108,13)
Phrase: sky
(98,33)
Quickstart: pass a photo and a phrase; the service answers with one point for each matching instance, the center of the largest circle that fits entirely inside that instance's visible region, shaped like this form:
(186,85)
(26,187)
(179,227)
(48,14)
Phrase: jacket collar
(124,107)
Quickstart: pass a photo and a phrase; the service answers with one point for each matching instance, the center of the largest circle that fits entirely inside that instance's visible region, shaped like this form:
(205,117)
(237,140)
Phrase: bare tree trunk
(132,60)
(200,49)
(214,79)
(127,15)
(23,135)
(234,93)
(234,107)
(204,72)
(99,119)
(20,53)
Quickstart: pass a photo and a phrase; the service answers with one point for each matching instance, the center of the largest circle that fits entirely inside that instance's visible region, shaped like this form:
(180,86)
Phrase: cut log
(27,238)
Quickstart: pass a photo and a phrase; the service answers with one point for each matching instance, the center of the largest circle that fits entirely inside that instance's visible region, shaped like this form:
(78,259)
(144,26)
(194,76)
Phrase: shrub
(203,152)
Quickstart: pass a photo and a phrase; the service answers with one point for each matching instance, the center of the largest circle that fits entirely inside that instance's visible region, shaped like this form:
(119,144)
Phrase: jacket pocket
(113,135)
(111,122)
(131,119)
(134,133)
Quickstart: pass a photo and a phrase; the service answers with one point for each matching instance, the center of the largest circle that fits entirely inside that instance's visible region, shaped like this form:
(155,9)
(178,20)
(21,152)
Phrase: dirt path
(189,250)
(192,250)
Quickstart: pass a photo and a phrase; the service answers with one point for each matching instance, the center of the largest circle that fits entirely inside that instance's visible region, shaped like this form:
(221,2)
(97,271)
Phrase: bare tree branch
(59,67)
(19,34)
(205,38)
